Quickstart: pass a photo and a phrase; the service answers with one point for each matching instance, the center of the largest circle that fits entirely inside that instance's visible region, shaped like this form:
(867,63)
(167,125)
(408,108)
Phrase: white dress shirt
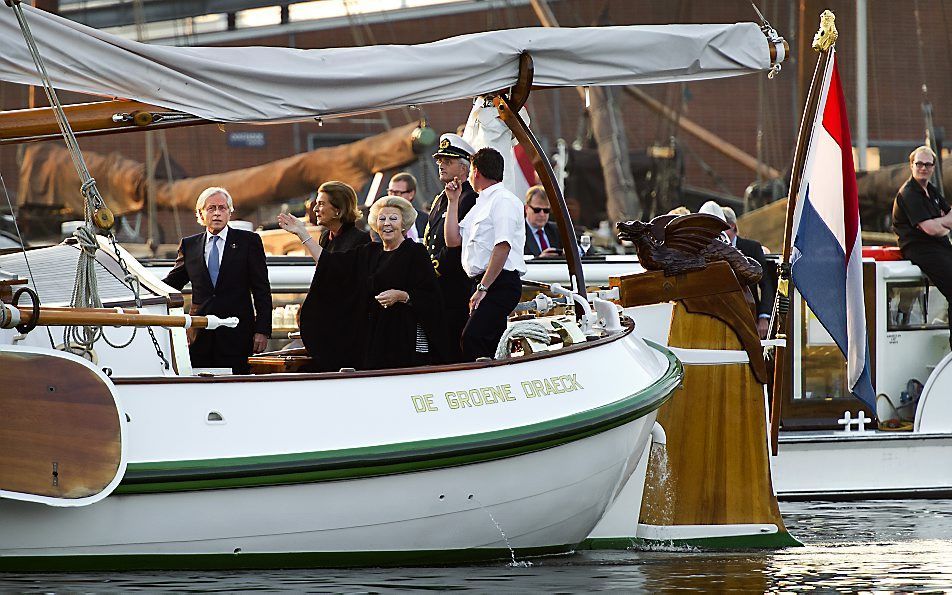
(496,217)
(223,234)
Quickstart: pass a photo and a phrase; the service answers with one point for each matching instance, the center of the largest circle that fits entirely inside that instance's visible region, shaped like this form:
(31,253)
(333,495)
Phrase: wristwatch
(481,287)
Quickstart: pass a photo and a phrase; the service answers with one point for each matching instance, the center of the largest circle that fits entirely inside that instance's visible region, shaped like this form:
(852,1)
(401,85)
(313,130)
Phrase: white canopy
(263,83)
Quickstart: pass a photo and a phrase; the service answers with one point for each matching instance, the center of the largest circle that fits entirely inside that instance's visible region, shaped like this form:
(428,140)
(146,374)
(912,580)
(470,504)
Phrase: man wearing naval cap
(452,158)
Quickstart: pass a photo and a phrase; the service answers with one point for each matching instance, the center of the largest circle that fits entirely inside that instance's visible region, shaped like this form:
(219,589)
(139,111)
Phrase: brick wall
(730,108)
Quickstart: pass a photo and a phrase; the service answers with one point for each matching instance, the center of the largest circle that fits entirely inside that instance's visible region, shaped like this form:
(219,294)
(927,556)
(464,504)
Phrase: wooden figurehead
(718,467)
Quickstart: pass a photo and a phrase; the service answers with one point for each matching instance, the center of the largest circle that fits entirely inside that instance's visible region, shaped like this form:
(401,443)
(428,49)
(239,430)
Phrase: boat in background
(831,445)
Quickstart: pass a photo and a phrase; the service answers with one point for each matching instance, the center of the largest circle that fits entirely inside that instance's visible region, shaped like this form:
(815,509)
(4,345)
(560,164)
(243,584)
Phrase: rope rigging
(85,287)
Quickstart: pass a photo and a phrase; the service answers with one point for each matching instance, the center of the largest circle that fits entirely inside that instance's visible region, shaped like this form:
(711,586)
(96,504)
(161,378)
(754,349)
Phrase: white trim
(679,532)
(710,357)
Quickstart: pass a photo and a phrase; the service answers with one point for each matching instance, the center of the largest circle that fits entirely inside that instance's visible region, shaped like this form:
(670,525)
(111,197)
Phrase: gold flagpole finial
(826,36)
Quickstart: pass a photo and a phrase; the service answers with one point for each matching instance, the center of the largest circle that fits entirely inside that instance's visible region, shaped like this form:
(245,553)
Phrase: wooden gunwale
(296,376)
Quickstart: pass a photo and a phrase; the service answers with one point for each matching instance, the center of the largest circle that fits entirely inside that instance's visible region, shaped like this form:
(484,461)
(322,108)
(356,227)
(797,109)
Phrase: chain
(133,282)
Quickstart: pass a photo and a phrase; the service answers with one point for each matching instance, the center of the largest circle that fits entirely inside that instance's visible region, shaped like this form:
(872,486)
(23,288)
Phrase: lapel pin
(234,245)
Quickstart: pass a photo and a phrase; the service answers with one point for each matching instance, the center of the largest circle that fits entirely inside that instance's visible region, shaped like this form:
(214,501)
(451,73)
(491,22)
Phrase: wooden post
(780,319)
(718,466)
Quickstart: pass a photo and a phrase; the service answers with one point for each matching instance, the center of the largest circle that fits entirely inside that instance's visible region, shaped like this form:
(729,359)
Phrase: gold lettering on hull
(499,394)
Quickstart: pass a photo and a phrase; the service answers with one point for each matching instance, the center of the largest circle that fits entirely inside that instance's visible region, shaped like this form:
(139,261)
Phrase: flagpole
(780,324)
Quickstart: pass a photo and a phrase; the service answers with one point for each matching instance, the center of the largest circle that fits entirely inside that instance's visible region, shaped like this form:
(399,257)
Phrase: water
(865,546)
(659,478)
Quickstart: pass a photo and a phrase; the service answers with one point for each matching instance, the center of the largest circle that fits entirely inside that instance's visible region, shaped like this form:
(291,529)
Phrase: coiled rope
(529,329)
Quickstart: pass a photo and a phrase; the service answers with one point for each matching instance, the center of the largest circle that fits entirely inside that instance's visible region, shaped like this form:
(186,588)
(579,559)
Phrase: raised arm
(292,224)
(451,235)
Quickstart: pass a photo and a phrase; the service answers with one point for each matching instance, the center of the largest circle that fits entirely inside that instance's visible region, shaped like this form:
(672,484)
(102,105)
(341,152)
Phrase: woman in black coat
(376,306)
(335,209)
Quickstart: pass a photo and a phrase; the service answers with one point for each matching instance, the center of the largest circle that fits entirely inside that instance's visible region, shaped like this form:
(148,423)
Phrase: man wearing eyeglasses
(404,185)
(227,269)
(922,220)
(542,236)
(452,159)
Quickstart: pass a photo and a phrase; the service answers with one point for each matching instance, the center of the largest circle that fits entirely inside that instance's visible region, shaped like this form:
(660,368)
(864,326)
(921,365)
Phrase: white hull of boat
(547,499)
(311,470)
(872,464)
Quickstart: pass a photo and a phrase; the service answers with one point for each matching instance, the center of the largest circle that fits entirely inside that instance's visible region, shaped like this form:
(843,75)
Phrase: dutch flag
(827,263)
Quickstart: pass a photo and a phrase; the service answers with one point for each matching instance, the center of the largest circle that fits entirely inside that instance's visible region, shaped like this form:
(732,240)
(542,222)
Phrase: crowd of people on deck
(418,289)
(423,288)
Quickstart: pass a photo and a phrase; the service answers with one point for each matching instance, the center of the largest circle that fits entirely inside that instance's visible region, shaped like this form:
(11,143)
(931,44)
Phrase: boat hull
(543,502)
(865,465)
(373,468)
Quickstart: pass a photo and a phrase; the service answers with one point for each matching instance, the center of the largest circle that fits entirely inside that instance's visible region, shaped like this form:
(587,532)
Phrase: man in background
(404,185)
(766,290)
(922,220)
(542,236)
(227,270)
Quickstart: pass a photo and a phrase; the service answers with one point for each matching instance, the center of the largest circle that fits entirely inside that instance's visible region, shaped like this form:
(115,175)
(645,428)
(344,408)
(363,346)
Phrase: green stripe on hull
(405,457)
(258,561)
(733,542)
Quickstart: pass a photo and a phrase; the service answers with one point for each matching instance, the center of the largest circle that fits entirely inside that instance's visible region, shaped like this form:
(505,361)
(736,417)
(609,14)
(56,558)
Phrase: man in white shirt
(491,236)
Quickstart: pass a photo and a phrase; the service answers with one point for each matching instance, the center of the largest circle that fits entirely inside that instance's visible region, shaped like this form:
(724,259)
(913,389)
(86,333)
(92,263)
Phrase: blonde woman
(376,306)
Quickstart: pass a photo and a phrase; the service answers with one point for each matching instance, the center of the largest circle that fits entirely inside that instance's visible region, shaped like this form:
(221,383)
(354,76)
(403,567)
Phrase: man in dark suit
(452,158)
(766,290)
(542,236)
(226,268)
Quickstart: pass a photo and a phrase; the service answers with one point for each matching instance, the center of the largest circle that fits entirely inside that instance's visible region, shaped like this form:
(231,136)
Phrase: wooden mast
(621,195)
(509,106)
(783,368)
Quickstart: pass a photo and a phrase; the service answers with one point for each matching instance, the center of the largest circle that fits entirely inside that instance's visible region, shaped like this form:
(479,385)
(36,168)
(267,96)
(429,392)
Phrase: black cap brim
(452,152)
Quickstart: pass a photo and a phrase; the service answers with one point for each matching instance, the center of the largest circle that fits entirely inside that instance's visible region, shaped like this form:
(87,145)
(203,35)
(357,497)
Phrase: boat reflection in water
(849,547)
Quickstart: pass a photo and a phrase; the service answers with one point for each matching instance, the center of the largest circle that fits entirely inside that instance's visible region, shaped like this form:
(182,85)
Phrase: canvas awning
(257,84)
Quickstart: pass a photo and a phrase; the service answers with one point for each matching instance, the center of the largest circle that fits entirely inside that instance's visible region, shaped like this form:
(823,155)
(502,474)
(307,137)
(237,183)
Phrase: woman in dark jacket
(376,306)
(337,212)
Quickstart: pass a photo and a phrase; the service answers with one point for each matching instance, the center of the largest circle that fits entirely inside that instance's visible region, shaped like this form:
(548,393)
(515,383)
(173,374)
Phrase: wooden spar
(782,359)
(547,18)
(703,134)
(509,113)
(99,117)
(100,317)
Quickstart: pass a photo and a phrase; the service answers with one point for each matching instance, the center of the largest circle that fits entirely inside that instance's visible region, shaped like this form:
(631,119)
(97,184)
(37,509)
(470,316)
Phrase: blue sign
(254,140)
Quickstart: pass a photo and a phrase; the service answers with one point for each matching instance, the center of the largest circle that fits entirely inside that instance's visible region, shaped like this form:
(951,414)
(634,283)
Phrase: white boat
(830,446)
(519,456)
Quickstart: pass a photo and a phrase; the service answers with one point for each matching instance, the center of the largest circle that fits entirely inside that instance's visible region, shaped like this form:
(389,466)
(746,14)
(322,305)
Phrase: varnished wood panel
(55,410)
(716,439)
